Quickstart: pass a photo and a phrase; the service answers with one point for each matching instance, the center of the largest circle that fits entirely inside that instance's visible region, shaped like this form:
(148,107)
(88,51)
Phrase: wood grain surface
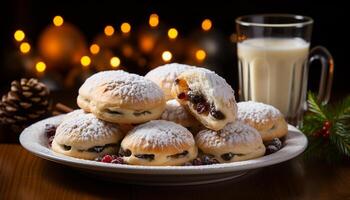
(25,176)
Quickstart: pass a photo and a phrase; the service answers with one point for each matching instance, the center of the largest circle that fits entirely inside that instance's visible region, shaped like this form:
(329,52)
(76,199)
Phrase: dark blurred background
(89,18)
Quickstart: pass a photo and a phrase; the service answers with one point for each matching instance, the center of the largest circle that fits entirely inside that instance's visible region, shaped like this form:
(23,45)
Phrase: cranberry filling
(148,157)
(99,149)
(179,155)
(216,113)
(141,113)
(227,156)
(66,148)
(114,112)
(125,153)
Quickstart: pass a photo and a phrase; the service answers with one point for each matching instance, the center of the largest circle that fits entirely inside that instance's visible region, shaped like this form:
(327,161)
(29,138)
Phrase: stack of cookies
(172,116)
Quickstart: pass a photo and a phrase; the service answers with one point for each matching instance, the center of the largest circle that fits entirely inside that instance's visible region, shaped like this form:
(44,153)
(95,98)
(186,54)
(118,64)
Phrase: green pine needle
(337,145)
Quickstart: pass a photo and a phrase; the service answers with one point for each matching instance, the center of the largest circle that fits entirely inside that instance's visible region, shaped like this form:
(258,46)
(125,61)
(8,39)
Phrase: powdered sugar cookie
(84,136)
(86,90)
(268,120)
(208,96)
(125,98)
(179,114)
(158,142)
(235,142)
(165,75)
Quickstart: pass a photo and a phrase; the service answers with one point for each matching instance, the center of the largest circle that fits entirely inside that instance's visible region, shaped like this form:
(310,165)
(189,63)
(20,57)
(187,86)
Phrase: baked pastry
(84,136)
(235,142)
(158,142)
(73,114)
(208,96)
(90,84)
(165,75)
(124,98)
(268,120)
(179,114)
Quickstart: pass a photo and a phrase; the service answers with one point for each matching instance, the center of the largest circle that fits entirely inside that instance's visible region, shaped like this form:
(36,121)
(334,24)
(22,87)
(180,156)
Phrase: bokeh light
(109,30)
(172,33)
(40,66)
(153,20)
(24,47)
(19,35)
(85,61)
(115,62)
(167,56)
(94,49)
(58,20)
(206,24)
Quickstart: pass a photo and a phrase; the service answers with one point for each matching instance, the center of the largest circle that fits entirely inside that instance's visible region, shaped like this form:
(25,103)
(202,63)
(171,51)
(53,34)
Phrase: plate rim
(295,144)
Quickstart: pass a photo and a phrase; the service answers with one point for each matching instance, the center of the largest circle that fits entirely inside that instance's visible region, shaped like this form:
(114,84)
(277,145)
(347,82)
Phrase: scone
(179,114)
(126,98)
(158,142)
(165,75)
(208,96)
(268,120)
(86,137)
(235,142)
(86,90)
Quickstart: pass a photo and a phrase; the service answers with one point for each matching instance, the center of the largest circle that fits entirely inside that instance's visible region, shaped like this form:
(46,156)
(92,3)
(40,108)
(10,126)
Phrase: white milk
(273,71)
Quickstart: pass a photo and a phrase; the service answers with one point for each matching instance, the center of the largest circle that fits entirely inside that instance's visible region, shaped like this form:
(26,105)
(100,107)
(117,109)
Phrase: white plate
(34,140)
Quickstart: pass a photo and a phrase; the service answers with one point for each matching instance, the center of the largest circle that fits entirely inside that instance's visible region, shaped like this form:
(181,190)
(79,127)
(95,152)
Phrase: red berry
(324,128)
(182,95)
(327,124)
(107,159)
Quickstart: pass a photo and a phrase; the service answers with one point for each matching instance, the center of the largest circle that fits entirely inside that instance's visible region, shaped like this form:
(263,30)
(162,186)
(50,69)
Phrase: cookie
(208,96)
(87,88)
(87,137)
(235,142)
(179,114)
(165,75)
(268,120)
(158,142)
(123,98)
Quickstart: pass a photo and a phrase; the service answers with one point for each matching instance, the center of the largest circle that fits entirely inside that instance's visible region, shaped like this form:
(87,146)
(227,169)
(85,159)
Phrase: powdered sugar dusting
(174,111)
(257,112)
(100,78)
(232,134)
(213,85)
(167,73)
(86,127)
(134,88)
(161,134)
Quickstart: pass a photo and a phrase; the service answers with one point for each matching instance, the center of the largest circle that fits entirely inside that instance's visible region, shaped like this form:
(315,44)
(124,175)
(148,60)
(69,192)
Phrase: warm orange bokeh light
(206,24)
(201,55)
(94,49)
(109,30)
(153,20)
(125,27)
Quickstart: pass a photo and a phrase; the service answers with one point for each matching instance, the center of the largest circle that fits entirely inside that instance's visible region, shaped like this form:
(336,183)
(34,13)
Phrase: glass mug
(273,62)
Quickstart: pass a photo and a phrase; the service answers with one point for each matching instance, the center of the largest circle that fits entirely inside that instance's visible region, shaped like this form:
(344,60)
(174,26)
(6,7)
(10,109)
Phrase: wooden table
(25,176)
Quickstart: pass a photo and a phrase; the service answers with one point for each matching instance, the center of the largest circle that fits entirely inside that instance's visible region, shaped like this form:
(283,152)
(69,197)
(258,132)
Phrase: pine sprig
(327,128)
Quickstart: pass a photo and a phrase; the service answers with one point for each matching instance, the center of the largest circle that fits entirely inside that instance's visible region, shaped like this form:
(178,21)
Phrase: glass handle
(322,54)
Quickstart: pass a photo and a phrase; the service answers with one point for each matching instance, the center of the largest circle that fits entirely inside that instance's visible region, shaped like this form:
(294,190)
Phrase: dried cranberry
(182,95)
(195,97)
(202,107)
(216,113)
(227,156)
(117,160)
(50,130)
(107,159)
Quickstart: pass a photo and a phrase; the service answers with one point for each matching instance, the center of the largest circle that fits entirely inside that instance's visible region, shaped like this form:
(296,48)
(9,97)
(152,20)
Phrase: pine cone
(25,103)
